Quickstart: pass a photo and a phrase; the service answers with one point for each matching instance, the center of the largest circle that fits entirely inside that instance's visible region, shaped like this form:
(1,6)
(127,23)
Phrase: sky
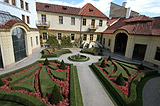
(144,7)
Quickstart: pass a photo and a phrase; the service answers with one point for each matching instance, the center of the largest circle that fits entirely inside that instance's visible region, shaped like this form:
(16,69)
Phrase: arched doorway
(18,38)
(120,43)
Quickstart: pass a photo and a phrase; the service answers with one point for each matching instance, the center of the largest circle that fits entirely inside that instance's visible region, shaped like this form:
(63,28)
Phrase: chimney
(124,4)
(128,12)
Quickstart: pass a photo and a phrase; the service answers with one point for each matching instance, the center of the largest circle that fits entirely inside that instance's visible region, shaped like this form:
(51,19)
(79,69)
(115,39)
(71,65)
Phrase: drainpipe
(81,29)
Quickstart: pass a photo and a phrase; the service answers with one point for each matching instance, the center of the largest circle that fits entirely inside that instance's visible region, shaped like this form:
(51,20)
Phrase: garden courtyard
(92,74)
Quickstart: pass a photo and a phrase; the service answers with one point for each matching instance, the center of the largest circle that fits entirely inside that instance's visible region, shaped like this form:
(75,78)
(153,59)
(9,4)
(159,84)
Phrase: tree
(56,96)
(120,80)
(46,62)
(66,41)
(62,65)
(103,64)
(52,41)
(109,58)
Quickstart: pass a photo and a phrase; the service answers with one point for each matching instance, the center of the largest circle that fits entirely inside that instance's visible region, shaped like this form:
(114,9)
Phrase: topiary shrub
(103,64)
(46,62)
(1,82)
(141,67)
(56,96)
(109,58)
(120,80)
(62,65)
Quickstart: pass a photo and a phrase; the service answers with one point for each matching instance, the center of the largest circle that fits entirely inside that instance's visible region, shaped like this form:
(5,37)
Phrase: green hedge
(93,51)
(75,92)
(117,96)
(21,98)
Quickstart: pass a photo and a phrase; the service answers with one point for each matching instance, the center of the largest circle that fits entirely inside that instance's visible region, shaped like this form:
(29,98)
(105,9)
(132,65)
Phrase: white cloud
(102,5)
(145,6)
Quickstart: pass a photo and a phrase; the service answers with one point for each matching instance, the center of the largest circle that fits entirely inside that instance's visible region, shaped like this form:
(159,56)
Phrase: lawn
(123,81)
(41,85)
(53,52)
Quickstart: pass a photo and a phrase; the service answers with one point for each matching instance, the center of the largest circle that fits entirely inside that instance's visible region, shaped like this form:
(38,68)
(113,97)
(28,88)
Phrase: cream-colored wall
(6,44)
(152,43)
(88,24)
(53,18)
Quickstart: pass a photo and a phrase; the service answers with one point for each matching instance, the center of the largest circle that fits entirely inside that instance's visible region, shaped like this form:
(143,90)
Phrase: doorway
(120,43)
(93,23)
(139,52)
(1,61)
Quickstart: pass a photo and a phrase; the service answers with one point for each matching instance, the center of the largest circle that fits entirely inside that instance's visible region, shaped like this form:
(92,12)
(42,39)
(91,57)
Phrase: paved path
(92,92)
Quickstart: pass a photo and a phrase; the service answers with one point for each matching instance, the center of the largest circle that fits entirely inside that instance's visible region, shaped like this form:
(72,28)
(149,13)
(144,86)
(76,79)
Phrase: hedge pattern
(120,79)
(40,85)
(53,52)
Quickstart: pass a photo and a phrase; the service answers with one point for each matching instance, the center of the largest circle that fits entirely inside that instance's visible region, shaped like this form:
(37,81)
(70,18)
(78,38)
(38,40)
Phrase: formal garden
(43,83)
(123,81)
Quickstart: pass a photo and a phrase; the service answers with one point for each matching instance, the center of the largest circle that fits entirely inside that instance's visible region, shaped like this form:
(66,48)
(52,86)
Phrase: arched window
(18,38)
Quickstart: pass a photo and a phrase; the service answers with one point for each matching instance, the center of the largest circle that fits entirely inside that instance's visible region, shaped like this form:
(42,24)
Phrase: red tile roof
(137,25)
(9,23)
(85,10)
(110,21)
(57,8)
(90,10)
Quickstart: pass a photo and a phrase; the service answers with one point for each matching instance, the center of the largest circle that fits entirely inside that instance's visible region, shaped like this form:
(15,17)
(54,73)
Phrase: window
(31,42)
(100,23)
(84,22)
(90,10)
(60,20)
(59,36)
(44,36)
(72,36)
(72,21)
(109,42)
(47,6)
(157,56)
(64,8)
(7,1)
(98,37)
(22,6)
(26,6)
(23,18)
(37,40)
(14,2)
(28,21)
(85,37)
(18,38)
(91,37)
(43,19)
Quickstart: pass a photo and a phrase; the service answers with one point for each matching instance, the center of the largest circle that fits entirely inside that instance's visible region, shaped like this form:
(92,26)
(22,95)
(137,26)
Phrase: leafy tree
(103,64)
(62,65)
(56,96)
(120,80)
(46,62)
(52,41)
(66,41)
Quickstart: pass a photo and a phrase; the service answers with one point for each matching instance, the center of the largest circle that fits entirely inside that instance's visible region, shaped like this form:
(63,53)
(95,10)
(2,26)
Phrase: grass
(9,103)
(46,88)
(136,86)
(28,84)
(59,75)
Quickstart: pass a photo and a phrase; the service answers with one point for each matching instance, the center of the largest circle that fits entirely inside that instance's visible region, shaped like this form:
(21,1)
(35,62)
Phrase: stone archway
(120,43)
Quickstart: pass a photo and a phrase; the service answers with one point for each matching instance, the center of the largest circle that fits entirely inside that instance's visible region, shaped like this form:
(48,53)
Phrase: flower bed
(120,79)
(45,85)
(53,52)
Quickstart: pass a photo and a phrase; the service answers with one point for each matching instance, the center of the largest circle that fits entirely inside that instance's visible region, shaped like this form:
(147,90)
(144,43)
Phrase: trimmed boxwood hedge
(56,53)
(75,97)
(93,51)
(116,95)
